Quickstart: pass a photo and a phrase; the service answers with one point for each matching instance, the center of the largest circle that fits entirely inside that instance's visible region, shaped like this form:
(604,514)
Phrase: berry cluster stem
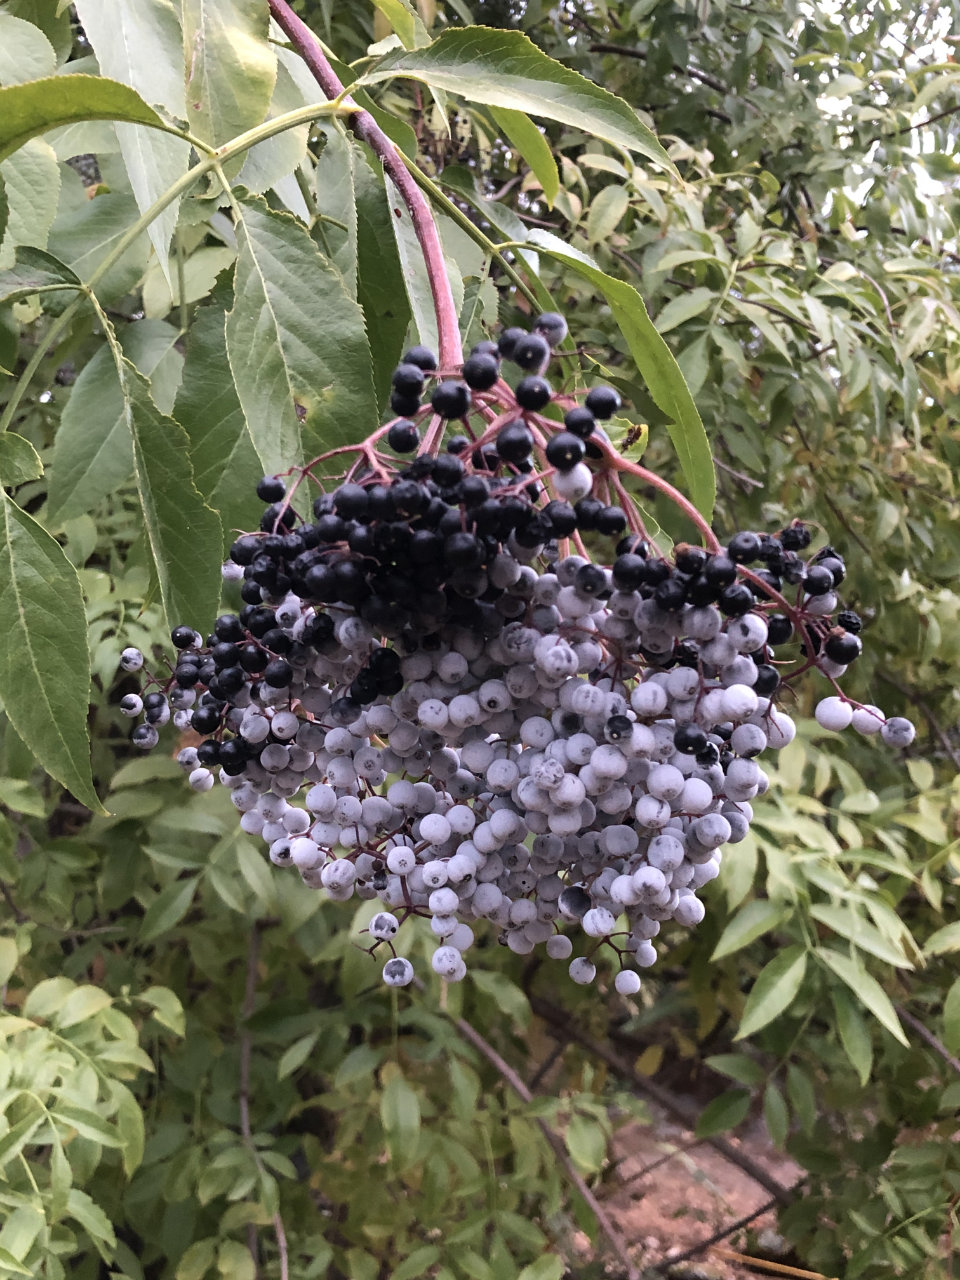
(367,130)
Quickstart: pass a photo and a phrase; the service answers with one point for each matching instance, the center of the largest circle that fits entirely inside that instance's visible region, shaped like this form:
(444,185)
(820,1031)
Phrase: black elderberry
(686,653)
(231,680)
(422,357)
(233,757)
(323,505)
(629,572)
(331,528)
(670,595)
(590,580)
(186,675)
(618,728)
(224,654)
(843,646)
(793,569)
(574,901)
(587,510)
(278,673)
(530,352)
(276,641)
(277,514)
(351,502)
(736,600)
(533,393)
(611,521)
(634,544)
(462,551)
(485,458)
(603,402)
(473,491)
(767,681)
(408,380)
(458,444)
(514,441)
(744,548)
(508,340)
(796,537)
(580,421)
(182,637)
(850,621)
(205,719)
(657,571)
(763,578)
(709,756)
(818,580)
(349,582)
(408,498)
(689,739)
(481,370)
(271,489)
(720,571)
(689,559)
(701,592)
(208,753)
(565,450)
(244,549)
(250,593)
(552,327)
(451,399)
(253,659)
(447,470)
(836,566)
(403,437)
(779,628)
(561,518)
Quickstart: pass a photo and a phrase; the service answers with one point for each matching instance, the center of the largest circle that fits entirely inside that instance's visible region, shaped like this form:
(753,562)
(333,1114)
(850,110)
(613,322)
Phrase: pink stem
(366,128)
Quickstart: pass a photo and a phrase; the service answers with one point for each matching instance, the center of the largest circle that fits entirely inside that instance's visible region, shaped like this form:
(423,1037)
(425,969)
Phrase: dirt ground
(670,1192)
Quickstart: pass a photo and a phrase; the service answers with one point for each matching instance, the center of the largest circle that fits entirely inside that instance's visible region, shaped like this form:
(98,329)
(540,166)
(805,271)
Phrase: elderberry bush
(433,695)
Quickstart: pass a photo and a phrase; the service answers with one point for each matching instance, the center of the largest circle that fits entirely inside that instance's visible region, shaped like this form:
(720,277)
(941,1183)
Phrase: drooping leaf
(723,1113)
(271,163)
(853,1031)
(25,52)
(400,1116)
(44,662)
(866,989)
(30,109)
(337,201)
(506,69)
(380,290)
(140,44)
(231,68)
(295,337)
(606,213)
(167,909)
(775,988)
(31,179)
(658,368)
(225,463)
(34,269)
(405,21)
(19,460)
(415,278)
(93,450)
(533,147)
(753,920)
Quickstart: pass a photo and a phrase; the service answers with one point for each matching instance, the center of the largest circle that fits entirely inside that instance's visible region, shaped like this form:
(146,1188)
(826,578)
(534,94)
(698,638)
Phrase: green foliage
(193,1050)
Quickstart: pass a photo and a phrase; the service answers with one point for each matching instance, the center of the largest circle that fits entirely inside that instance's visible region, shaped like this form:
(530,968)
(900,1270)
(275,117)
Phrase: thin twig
(933,1041)
(692,73)
(367,129)
(246,1048)
(780,1268)
(718,1235)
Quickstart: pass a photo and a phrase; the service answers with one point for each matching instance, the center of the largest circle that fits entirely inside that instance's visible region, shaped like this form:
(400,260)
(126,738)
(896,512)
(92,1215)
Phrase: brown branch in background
(246,1048)
(556,1143)
(686,1113)
(367,130)
(692,73)
(721,1234)
(933,1041)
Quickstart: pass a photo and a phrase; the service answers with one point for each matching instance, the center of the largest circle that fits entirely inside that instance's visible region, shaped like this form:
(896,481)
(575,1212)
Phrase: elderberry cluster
(434,696)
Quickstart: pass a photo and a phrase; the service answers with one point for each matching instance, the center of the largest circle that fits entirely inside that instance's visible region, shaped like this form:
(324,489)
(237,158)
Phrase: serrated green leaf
(405,21)
(225,463)
(21,1229)
(951,1018)
(400,1117)
(527,139)
(87,1123)
(853,1032)
(294,1057)
(587,1143)
(231,68)
(10,1263)
(548,1267)
(337,201)
(775,1114)
(167,909)
(751,922)
(606,213)
(295,335)
(723,1113)
(849,924)
(88,228)
(658,368)
(25,52)
(82,1003)
(139,43)
(19,460)
(506,69)
(131,1129)
(44,662)
(776,985)
(684,307)
(93,449)
(18,1135)
(83,1209)
(183,533)
(31,179)
(167,1008)
(866,989)
(35,269)
(416,278)
(27,110)
(943,940)
(47,996)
